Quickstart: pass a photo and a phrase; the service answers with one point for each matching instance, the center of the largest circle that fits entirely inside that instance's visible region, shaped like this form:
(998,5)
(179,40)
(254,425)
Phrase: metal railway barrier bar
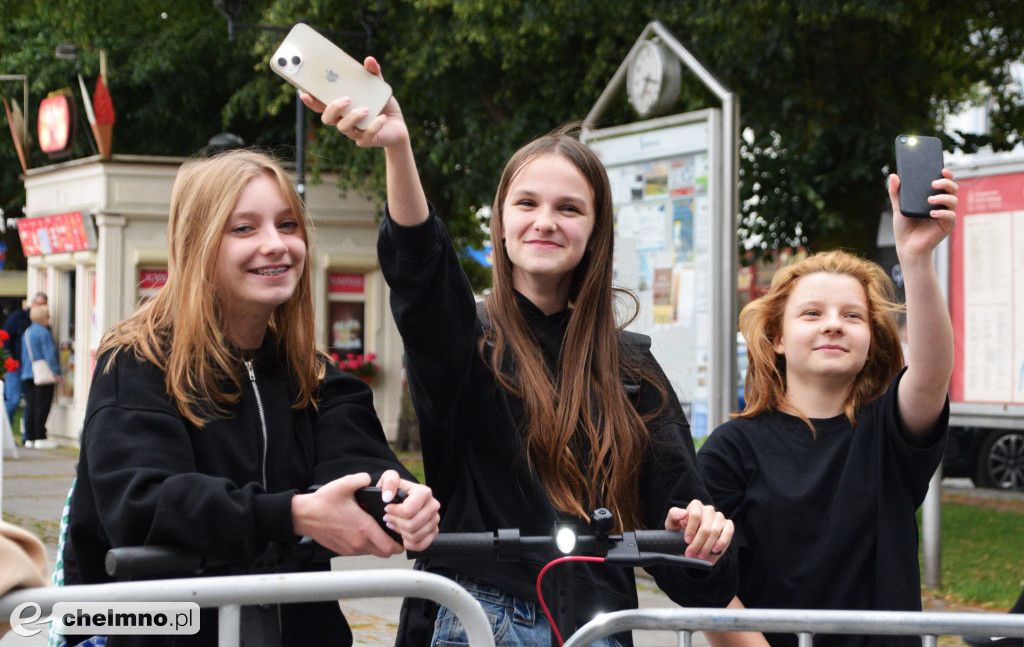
(230,593)
(803,623)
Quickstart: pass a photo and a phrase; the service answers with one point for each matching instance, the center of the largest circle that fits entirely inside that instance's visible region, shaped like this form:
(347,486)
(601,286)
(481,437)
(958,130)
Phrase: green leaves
(824,86)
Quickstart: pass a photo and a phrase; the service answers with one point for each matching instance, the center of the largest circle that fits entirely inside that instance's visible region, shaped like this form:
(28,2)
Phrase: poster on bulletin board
(663,194)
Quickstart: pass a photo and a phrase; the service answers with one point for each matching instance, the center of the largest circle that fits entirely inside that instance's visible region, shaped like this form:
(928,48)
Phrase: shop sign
(62,232)
(56,125)
(346,283)
(152,279)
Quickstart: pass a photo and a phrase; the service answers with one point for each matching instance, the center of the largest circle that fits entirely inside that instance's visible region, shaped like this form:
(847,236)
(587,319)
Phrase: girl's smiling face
(826,330)
(547,218)
(261,255)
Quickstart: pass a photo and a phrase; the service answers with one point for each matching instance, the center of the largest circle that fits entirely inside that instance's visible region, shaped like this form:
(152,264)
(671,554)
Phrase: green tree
(171,74)
(824,87)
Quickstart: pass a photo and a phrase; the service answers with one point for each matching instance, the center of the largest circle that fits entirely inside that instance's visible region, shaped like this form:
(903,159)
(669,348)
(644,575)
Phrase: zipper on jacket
(263,423)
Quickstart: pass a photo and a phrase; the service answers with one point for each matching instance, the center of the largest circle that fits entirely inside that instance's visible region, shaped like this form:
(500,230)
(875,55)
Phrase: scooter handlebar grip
(670,542)
(136,561)
(459,544)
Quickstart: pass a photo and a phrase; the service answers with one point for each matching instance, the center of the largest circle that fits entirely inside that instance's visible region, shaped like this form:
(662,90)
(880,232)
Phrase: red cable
(540,596)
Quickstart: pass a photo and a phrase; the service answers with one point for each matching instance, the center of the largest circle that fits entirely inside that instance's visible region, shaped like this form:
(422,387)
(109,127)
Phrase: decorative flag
(102,104)
(17,123)
(103,112)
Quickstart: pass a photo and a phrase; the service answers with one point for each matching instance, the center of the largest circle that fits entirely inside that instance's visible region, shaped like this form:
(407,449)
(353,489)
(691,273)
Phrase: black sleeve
(142,472)
(918,459)
(348,435)
(434,308)
(671,480)
(720,464)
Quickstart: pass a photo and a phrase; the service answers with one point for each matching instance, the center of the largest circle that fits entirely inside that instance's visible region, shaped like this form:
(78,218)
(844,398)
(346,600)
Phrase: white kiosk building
(95,234)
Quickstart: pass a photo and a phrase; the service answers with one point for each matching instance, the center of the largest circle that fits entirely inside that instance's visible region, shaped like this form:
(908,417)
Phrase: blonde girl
(212,416)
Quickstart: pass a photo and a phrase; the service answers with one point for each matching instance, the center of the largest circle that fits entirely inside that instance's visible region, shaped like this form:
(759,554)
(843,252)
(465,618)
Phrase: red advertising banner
(152,279)
(63,232)
(986,291)
(346,283)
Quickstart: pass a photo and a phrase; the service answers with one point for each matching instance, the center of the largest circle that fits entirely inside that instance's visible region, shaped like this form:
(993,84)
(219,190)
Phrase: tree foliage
(824,87)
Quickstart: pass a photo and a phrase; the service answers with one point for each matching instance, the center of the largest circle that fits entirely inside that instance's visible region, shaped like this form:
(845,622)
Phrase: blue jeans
(514,622)
(12,393)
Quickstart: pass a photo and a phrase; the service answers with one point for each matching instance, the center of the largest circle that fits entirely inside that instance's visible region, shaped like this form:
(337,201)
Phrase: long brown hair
(181,330)
(761,325)
(587,397)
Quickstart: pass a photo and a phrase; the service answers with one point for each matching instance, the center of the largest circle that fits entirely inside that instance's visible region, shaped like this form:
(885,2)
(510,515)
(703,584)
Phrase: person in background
(526,412)
(37,343)
(214,423)
(15,326)
(824,469)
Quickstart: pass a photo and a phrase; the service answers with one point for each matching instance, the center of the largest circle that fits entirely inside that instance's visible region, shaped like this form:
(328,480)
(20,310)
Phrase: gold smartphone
(320,68)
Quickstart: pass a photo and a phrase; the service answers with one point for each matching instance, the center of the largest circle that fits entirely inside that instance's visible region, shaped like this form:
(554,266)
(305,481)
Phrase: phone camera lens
(296,60)
(903,140)
(281,61)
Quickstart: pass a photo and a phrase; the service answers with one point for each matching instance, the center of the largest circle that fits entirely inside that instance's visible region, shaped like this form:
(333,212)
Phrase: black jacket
(474,455)
(148,476)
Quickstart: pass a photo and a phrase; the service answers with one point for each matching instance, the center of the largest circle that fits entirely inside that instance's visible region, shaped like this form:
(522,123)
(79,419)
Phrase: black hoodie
(148,476)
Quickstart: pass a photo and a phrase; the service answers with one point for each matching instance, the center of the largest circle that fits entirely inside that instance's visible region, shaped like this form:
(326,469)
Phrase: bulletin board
(667,248)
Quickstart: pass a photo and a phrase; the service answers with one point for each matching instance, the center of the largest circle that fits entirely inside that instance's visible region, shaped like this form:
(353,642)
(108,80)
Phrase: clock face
(644,78)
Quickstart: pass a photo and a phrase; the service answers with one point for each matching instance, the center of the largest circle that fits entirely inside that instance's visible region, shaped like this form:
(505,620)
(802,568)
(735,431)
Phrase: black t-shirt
(824,522)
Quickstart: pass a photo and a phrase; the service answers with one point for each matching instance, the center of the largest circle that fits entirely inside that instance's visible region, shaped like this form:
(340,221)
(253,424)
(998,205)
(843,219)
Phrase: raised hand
(387,129)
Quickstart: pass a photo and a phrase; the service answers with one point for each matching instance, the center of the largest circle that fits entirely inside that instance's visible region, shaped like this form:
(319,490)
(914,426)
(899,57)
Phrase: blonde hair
(181,329)
(38,313)
(586,398)
(761,325)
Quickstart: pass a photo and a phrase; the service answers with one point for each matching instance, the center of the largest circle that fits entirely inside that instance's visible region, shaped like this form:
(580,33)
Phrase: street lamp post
(69,52)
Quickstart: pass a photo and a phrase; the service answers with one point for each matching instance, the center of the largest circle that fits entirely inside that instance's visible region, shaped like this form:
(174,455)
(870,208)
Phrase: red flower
(361,365)
(11,364)
(4,336)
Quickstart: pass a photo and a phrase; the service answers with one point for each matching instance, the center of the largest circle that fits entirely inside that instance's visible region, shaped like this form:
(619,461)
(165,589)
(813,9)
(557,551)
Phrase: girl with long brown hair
(212,414)
(525,418)
(823,470)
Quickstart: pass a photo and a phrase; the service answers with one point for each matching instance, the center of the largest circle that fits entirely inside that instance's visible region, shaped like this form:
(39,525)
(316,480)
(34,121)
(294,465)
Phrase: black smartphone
(369,500)
(918,163)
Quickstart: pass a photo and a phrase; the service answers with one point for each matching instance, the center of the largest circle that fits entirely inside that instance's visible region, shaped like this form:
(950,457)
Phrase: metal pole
(229,624)
(931,533)
(300,147)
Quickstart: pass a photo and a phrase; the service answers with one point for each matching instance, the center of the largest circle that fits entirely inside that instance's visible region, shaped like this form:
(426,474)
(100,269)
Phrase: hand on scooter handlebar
(707,531)
(634,548)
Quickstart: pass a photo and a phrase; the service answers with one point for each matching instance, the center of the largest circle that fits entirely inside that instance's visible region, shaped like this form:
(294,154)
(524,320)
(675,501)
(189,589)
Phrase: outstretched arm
(922,391)
(407,204)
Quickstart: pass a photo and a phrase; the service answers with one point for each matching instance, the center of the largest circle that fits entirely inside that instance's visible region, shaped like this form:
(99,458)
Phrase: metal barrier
(230,593)
(803,623)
